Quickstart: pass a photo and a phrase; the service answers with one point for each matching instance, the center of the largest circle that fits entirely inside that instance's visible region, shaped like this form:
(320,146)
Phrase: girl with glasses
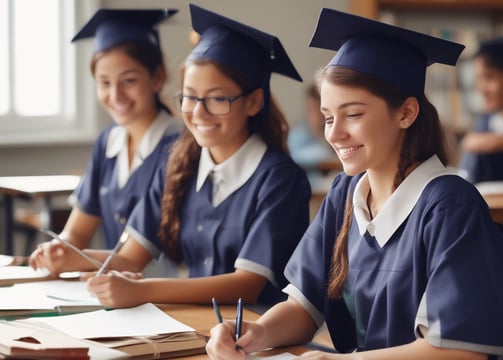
(231,205)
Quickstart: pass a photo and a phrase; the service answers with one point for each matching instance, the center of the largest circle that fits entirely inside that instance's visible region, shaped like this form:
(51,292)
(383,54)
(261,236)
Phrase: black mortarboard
(114,26)
(390,53)
(253,53)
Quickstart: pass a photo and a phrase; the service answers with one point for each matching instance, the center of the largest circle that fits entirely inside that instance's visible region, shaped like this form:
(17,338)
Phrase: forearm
(287,323)
(227,288)
(483,143)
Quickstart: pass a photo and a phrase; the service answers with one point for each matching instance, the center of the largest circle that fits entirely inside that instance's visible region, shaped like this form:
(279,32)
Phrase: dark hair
(491,52)
(185,154)
(312,92)
(423,139)
(145,54)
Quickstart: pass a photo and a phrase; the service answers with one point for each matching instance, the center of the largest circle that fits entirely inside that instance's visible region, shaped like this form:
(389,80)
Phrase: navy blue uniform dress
(482,167)
(100,192)
(429,264)
(256,227)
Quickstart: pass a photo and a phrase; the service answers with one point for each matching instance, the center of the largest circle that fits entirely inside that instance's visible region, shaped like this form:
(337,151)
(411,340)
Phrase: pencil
(217,310)
(119,244)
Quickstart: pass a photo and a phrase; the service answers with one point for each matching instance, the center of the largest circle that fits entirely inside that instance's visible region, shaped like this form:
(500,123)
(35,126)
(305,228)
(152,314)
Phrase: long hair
(147,55)
(185,155)
(423,139)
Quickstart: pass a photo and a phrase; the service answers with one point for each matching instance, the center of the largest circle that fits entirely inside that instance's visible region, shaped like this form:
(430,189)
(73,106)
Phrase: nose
(199,109)
(334,131)
(116,92)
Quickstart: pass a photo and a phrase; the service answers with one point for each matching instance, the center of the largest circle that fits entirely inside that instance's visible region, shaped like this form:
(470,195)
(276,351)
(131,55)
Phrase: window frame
(78,120)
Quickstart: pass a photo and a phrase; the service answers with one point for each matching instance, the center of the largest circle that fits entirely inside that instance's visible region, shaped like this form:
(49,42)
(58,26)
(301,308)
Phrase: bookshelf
(451,90)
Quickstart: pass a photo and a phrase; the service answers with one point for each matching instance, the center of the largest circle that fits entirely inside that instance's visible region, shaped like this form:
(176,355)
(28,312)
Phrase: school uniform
(428,265)
(110,188)
(484,167)
(248,212)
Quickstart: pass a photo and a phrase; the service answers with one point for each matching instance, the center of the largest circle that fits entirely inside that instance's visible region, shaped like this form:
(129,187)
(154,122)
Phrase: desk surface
(38,185)
(202,318)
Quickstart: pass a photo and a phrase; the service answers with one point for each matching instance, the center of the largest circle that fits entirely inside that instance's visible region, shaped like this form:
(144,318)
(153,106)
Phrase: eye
(218,99)
(353,116)
(328,120)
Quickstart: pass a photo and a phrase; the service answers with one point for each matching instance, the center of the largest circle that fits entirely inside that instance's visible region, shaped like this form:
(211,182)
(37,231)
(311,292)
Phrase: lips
(345,151)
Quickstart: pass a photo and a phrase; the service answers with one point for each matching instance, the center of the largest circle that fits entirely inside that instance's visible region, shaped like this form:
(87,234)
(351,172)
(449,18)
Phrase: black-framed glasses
(214,105)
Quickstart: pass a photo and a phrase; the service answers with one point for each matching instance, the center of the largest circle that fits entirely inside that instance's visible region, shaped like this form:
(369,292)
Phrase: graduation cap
(390,53)
(111,27)
(253,53)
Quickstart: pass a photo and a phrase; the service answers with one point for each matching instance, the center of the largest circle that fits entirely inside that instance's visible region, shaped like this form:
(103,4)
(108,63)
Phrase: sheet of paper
(284,356)
(6,260)
(143,320)
(21,272)
(44,295)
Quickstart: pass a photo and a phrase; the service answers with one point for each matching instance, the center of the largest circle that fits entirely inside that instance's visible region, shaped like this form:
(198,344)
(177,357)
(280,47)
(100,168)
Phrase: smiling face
(365,133)
(126,89)
(489,81)
(223,135)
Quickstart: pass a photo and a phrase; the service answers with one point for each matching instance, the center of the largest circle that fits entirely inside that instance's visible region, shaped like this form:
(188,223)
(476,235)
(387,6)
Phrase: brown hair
(423,139)
(147,55)
(185,154)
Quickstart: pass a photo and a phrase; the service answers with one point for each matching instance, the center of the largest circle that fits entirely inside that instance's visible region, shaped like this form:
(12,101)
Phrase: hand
(222,344)
(52,255)
(115,289)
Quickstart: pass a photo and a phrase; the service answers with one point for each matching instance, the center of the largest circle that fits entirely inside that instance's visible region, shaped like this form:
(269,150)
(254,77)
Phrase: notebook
(143,332)
(10,275)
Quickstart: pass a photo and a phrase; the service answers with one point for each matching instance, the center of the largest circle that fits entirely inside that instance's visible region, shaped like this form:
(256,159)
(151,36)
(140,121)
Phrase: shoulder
(449,186)
(104,135)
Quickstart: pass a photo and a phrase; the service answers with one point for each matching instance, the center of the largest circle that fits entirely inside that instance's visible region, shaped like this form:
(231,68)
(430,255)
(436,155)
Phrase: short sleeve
(144,222)
(86,195)
(464,293)
(281,217)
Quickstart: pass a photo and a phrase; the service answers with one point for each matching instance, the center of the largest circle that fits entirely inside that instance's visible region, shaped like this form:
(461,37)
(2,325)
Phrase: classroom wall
(292,21)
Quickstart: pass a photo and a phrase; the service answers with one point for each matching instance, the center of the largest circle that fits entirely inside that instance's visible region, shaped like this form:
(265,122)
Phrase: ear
(254,102)
(408,112)
(159,78)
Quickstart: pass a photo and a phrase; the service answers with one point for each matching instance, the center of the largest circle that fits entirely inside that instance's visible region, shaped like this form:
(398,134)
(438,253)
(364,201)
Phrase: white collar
(117,144)
(400,203)
(233,172)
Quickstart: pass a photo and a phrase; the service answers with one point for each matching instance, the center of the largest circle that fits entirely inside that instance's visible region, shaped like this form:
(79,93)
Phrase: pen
(71,246)
(119,244)
(239,318)
(217,310)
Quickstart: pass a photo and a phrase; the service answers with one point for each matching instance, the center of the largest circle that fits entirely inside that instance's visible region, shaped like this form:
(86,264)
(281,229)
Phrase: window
(40,75)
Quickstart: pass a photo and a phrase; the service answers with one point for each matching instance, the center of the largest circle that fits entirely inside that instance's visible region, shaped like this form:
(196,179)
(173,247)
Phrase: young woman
(129,70)
(482,147)
(235,204)
(403,260)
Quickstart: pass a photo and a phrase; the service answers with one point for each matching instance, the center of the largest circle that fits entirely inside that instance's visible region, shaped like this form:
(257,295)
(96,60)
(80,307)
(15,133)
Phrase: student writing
(403,259)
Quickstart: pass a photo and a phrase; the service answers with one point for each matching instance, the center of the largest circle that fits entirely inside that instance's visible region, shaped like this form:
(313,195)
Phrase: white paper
(143,320)
(43,295)
(6,260)
(21,272)
(283,356)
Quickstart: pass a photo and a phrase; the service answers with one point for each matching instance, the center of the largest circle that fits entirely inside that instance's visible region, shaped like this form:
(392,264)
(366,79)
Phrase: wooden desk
(202,318)
(495,203)
(44,187)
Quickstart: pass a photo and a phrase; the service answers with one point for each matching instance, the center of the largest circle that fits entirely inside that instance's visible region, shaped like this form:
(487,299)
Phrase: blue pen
(239,318)
(217,310)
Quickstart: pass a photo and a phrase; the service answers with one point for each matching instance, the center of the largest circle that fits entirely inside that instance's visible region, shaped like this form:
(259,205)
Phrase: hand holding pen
(239,317)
